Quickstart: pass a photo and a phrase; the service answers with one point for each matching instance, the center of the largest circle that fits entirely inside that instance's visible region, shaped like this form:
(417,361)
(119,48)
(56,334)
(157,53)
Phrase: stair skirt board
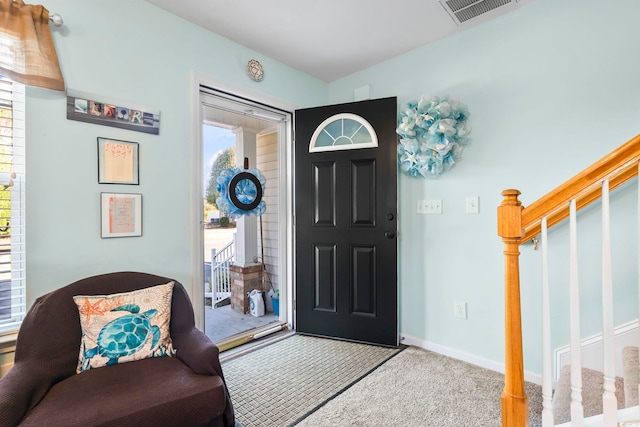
(592,390)
(591,349)
(627,414)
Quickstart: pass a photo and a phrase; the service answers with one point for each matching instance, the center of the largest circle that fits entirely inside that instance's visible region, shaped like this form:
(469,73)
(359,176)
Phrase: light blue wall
(132,51)
(551,88)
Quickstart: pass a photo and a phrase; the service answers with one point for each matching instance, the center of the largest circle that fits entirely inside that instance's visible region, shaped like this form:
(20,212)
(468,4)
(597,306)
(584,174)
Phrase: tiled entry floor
(224,322)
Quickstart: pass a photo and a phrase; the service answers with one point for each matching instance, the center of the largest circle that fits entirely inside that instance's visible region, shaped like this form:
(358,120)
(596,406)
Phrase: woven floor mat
(279,384)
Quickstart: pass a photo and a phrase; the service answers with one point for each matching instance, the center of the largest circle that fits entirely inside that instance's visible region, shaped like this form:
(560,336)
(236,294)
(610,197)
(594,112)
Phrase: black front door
(345,222)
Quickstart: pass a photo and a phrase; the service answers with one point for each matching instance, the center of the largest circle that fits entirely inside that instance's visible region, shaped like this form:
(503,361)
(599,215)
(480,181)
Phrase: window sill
(8,342)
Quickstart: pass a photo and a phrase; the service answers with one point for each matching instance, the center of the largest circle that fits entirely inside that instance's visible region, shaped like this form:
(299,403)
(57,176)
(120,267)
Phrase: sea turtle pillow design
(123,327)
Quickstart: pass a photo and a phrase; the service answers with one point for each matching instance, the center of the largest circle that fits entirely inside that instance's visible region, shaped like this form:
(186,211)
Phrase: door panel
(324,190)
(363,260)
(363,193)
(325,277)
(345,211)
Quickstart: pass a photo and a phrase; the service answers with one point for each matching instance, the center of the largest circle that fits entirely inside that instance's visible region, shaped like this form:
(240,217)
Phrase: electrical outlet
(429,206)
(460,309)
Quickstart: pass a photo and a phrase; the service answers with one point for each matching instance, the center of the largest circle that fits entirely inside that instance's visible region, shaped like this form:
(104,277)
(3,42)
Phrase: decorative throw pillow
(123,327)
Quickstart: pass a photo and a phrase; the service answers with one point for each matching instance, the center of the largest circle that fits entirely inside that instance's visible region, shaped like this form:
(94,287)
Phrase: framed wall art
(121,215)
(118,162)
(99,110)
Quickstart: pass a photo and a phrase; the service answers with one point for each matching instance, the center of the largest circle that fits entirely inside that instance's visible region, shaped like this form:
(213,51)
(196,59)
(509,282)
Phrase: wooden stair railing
(518,225)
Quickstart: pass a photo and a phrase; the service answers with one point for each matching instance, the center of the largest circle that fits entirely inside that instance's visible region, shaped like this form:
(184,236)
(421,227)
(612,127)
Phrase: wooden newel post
(514,399)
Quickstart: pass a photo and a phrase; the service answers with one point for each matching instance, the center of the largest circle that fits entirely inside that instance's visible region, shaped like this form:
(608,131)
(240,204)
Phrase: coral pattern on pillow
(123,327)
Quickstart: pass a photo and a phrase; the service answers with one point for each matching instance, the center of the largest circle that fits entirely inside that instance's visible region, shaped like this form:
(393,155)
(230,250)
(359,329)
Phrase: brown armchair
(42,388)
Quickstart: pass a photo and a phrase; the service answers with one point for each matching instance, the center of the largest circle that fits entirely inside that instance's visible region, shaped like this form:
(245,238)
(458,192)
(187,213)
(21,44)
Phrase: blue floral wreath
(241,192)
(433,135)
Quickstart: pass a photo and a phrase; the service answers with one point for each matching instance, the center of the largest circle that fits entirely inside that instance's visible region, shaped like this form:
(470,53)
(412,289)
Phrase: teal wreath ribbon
(241,192)
(433,133)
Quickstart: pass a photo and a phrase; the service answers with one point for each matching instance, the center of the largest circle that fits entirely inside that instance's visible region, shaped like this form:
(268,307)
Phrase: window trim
(342,116)
(10,326)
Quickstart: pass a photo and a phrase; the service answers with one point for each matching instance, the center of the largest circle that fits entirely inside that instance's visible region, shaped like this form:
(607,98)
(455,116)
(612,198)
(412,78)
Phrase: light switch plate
(429,206)
(473,205)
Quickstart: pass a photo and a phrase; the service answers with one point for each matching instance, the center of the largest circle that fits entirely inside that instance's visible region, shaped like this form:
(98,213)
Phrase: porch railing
(220,276)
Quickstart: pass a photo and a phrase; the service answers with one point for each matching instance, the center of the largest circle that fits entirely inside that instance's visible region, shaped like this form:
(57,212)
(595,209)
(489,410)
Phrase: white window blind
(12,221)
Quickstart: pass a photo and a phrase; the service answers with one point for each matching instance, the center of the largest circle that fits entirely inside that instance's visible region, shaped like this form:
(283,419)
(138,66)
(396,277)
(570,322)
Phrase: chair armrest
(198,352)
(201,354)
(20,390)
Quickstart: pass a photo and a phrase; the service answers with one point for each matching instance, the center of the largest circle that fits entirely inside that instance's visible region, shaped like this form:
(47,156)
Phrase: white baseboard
(466,357)
(591,349)
(591,352)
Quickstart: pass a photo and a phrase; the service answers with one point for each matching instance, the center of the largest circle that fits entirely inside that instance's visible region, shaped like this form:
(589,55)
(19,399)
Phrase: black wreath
(232,191)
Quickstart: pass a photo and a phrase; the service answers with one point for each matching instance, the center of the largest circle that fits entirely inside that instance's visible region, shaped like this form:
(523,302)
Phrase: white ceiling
(327,39)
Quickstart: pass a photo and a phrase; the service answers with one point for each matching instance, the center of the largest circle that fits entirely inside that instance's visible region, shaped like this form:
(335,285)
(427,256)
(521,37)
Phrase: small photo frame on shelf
(98,110)
(118,162)
(121,215)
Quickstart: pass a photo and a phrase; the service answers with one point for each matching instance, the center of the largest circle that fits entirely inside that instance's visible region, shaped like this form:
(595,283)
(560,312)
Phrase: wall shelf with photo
(99,110)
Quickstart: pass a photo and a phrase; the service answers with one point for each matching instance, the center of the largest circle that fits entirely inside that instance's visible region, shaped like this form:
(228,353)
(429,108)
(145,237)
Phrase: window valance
(27,52)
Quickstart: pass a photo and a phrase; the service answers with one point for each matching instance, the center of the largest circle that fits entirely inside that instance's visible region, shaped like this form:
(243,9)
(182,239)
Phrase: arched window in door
(344,131)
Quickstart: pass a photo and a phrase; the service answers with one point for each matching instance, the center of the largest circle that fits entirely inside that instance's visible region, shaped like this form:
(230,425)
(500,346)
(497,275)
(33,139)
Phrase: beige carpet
(422,388)
(631,374)
(279,384)
(592,389)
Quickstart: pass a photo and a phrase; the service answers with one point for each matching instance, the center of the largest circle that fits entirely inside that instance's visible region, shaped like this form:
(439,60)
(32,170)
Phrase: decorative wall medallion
(255,70)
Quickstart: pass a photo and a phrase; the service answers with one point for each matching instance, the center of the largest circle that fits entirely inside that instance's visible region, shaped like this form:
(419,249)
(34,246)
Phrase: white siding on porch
(267,162)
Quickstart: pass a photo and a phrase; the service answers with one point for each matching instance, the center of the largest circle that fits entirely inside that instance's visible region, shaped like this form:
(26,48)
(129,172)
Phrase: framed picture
(118,162)
(121,215)
(99,110)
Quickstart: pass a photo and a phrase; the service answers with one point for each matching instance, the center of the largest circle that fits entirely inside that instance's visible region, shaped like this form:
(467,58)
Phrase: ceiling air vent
(464,10)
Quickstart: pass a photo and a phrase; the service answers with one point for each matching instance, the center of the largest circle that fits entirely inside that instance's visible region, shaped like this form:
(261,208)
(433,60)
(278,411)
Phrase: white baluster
(547,392)
(609,401)
(577,412)
(214,282)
